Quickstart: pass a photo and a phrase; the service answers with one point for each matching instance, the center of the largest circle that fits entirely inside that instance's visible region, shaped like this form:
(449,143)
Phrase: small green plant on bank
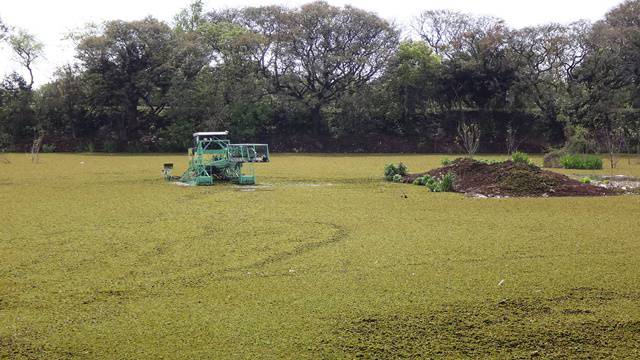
(434,185)
(445,162)
(586,180)
(520,157)
(446,183)
(488,161)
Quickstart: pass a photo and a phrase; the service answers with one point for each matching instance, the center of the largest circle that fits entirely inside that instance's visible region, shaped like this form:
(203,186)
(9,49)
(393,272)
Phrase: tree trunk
(317,123)
(126,121)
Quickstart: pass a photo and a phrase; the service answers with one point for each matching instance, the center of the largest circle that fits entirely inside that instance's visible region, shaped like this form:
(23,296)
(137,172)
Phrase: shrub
(586,180)
(401,169)
(389,171)
(109,146)
(435,185)
(445,162)
(397,178)
(419,181)
(446,184)
(520,157)
(48,148)
(431,183)
(591,162)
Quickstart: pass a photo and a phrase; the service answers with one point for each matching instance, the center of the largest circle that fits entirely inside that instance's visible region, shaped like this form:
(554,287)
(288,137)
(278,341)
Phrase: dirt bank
(511,179)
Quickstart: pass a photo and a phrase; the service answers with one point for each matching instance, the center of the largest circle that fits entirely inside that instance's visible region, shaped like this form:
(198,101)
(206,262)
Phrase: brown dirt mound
(510,179)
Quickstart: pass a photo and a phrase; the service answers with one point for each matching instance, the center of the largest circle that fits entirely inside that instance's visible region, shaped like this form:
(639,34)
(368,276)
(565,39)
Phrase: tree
(17,118)
(319,52)
(190,18)
(469,137)
(412,79)
(129,68)
(608,79)
(478,72)
(27,50)
(451,33)
(547,58)
(4,30)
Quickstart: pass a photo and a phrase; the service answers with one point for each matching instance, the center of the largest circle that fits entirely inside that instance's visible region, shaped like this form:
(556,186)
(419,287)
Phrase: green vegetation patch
(588,162)
(101,258)
(567,326)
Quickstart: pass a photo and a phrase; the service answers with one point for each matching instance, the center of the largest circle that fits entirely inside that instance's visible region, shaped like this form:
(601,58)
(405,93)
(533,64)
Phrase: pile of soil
(507,179)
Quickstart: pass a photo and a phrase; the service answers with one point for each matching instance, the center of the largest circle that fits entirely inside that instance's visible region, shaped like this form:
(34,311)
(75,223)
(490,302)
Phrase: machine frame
(214,158)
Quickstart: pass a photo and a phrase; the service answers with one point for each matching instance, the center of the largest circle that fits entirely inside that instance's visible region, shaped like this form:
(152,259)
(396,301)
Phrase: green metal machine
(214,158)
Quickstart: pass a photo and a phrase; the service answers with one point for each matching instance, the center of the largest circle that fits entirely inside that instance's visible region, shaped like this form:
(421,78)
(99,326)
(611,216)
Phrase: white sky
(51,20)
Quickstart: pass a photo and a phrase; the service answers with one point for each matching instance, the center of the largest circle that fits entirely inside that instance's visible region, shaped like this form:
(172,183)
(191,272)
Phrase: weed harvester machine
(214,158)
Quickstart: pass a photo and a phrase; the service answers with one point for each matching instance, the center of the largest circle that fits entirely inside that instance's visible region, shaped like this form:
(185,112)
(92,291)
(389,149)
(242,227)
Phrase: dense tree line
(328,78)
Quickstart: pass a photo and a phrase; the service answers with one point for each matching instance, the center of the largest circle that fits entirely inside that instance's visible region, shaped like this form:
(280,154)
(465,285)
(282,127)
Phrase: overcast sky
(50,20)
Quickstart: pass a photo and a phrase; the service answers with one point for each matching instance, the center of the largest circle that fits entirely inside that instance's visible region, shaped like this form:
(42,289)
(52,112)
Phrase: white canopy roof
(211,133)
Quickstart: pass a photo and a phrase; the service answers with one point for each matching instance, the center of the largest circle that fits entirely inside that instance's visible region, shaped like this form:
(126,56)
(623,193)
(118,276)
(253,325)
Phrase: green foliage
(488,161)
(389,171)
(402,169)
(431,183)
(445,162)
(585,180)
(519,157)
(48,148)
(446,183)
(579,140)
(397,178)
(434,185)
(109,146)
(254,71)
(581,162)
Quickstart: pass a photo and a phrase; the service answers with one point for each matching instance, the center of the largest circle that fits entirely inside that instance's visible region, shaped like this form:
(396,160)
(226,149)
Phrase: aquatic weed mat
(571,325)
(101,258)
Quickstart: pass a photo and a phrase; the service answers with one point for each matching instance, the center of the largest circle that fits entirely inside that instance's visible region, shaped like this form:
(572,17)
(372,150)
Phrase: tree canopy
(330,78)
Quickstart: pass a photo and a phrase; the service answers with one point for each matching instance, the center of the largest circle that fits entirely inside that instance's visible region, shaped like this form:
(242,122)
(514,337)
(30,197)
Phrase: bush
(591,162)
(435,185)
(419,181)
(401,169)
(109,146)
(431,183)
(391,170)
(445,162)
(446,184)
(48,148)
(397,178)
(519,157)
(586,180)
